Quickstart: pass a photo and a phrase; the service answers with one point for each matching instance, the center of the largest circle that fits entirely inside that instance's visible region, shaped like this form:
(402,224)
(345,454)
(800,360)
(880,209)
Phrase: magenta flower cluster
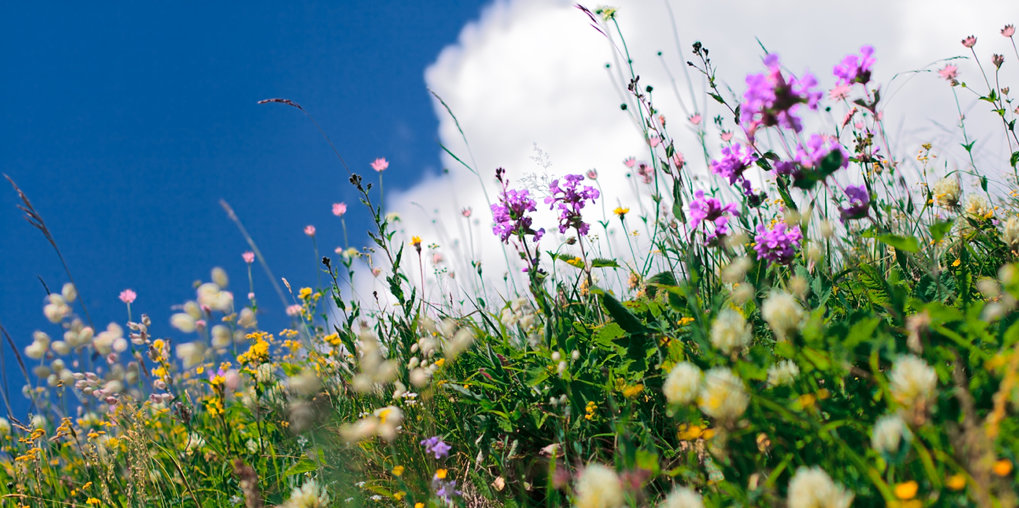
(859,202)
(855,68)
(809,156)
(510,213)
(778,244)
(772,99)
(570,198)
(735,160)
(711,211)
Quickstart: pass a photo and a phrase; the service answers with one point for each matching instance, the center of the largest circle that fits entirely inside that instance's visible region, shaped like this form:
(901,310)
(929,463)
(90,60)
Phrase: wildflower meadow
(790,314)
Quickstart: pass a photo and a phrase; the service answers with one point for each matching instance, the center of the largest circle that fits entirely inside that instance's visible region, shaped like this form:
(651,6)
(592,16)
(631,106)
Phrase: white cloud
(529,86)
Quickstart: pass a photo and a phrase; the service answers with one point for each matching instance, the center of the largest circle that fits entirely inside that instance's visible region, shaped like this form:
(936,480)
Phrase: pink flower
(629,162)
(380,164)
(848,117)
(661,120)
(970,41)
(654,141)
(339,209)
(1008,31)
(695,118)
(249,257)
(997,60)
(437,258)
(726,136)
(592,174)
(678,161)
(376,271)
(466,212)
(128,296)
(839,93)
(309,230)
(949,72)
(294,310)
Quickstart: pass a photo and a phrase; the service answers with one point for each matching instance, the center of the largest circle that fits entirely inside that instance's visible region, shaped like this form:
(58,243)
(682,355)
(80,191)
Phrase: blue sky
(126,125)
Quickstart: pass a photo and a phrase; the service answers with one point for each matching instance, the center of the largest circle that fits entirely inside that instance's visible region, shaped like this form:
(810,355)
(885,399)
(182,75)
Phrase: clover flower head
(811,487)
(778,244)
(510,215)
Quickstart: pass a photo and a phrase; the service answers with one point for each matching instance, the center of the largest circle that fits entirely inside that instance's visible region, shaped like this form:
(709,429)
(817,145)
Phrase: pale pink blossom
(437,258)
(695,118)
(949,72)
(654,141)
(678,160)
(339,209)
(726,136)
(970,41)
(1008,31)
(629,162)
(294,310)
(376,271)
(380,164)
(592,174)
(249,257)
(309,230)
(128,296)
(840,92)
(466,212)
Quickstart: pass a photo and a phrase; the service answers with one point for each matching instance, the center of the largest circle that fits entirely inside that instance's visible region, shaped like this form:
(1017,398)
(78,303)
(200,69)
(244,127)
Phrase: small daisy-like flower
(339,209)
(415,241)
(128,296)
(695,119)
(309,230)
(970,41)
(812,487)
(380,164)
(249,257)
(949,72)
(620,211)
(1008,31)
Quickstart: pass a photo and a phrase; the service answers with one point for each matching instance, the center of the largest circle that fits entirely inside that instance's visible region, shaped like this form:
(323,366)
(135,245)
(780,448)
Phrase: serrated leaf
(604,263)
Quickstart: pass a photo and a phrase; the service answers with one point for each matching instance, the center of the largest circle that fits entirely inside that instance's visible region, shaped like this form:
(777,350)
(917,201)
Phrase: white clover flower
(598,487)
(783,313)
(56,309)
(742,293)
(37,349)
(889,431)
(1010,232)
(811,487)
(191,353)
(247,318)
(736,270)
(683,383)
(978,208)
(309,495)
(783,373)
(730,332)
(946,192)
(219,277)
(723,396)
(183,322)
(461,341)
(912,381)
(682,497)
(221,337)
(69,292)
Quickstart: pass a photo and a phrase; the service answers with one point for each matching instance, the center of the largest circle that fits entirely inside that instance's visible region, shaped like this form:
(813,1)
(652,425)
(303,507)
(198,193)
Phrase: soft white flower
(888,433)
(742,293)
(5,426)
(221,337)
(783,313)
(191,353)
(723,396)
(247,318)
(219,277)
(811,487)
(782,373)
(946,192)
(305,383)
(978,208)
(912,381)
(69,292)
(730,332)
(309,495)
(683,383)
(682,497)
(1010,232)
(736,270)
(461,341)
(183,322)
(598,487)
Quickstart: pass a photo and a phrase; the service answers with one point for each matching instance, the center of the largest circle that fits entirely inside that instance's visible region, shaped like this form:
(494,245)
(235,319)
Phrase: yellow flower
(632,391)
(92,501)
(415,241)
(956,482)
(440,474)
(620,211)
(956,263)
(1002,467)
(419,505)
(304,293)
(399,495)
(906,490)
(398,470)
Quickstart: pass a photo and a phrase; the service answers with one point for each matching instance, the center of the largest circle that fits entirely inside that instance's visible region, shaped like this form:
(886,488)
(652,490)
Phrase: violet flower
(855,68)
(735,160)
(510,213)
(859,203)
(772,98)
(436,446)
(711,210)
(570,198)
(778,244)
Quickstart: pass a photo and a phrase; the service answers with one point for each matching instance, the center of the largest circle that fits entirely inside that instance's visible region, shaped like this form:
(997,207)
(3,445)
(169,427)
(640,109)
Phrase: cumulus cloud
(536,90)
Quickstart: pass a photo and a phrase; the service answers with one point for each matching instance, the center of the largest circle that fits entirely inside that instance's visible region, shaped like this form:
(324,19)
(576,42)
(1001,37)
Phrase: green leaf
(941,228)
(904,243)
(625,318)
(305,465)
(603,263)
(1014,159)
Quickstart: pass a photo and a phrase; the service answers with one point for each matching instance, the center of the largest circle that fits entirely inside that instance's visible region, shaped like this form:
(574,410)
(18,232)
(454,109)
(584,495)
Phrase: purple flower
(809,157)
(711,210)
(435,445)
(510,213)
(735,160)
(771,99)
(570,198)
(445,489)
(859,203)
(778,244)
(855,69)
